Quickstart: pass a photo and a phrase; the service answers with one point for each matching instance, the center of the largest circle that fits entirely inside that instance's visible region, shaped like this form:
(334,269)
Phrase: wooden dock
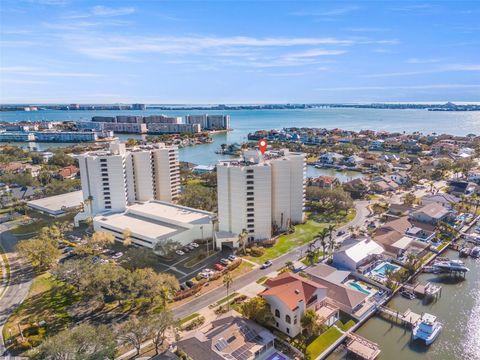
(427,290)
(361,347)
(407,318)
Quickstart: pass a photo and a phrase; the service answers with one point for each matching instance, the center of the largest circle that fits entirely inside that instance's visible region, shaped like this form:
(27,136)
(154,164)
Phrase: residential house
(432,213)
(290,295)
(353,161)
(447,200)
(68,172)
(330,158)
(229,337)
(356,253)
(401,178)
(397,244)
(410,227)
(398,210)
(356,187)
(460,188)
(376,145)
(346,298)
(325,182)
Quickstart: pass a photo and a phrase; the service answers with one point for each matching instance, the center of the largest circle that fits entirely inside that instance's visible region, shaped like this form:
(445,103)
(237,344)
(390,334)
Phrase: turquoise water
(358,287)
(382,270)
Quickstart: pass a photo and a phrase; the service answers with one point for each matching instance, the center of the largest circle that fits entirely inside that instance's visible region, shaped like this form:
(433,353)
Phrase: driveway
(21,276)
(251,277)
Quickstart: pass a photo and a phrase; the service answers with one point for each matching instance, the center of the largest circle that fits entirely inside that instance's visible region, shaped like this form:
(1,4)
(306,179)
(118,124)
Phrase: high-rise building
(218,122)
(139,106)
(197,119)
(113,179)
(162,119)
(261,194)
(158,128)
(129,119)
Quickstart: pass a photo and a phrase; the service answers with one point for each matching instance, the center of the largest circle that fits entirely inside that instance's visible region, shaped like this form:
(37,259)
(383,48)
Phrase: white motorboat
(451,265)
(427,329)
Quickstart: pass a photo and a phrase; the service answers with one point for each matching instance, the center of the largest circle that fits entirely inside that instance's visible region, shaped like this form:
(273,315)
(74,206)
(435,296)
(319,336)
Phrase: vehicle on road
(218,267)
(341,232)
(225,262)
(191,247)
(179,252)
(266,264)
(185,249)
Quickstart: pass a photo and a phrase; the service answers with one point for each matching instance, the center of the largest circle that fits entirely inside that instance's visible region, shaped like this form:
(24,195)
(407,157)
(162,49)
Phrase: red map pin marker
(262,144)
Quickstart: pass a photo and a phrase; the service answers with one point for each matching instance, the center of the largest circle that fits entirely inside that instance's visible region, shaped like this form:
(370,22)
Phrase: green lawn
(227,298)
(47,300)
(303,234)
(321,343)
(188,318)
(261,280)
(345,326)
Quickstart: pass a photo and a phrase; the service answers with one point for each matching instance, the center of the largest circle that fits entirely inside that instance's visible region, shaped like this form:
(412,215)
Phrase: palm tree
(242,240)
(331,241)
(289,265)
(227,282)
(323,234)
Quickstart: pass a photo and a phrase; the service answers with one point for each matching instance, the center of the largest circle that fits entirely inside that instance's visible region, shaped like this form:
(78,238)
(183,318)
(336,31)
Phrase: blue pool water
(277,356)
(358,287)
(382,270)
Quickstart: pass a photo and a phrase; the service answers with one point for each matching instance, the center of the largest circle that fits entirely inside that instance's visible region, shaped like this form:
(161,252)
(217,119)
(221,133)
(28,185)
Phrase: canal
(458,309)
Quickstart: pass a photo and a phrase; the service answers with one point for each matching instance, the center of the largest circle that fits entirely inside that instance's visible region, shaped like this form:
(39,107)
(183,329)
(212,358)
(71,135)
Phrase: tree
(84,342)
(139,257)
(322,235)
(61,158)
(409,199)
(148,284)
(328,200)
(242,240)
(127,237)
(227,282)
(258,310)
(310,323)
(166,248)
(199,197)
(135,332)
(331,240)
(102,239)
(289,265)
(73,271)
(42,253)
(161,323)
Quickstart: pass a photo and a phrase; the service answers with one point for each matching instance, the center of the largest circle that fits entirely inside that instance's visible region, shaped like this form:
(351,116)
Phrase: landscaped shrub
(257,251)
(197,322)
(233,265)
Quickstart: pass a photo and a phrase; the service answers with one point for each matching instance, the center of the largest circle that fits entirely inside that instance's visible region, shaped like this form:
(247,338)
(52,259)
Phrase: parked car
(189,283)
(225,262)
(194,244)
(266,264)
(185,249)
(341,232)
(191,247)
(117,255)
(232,257)
(218,267)
(180,252)
(183,287)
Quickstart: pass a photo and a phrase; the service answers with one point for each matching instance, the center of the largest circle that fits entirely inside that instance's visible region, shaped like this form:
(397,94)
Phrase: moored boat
(427,329)
(408,294)
(451,265)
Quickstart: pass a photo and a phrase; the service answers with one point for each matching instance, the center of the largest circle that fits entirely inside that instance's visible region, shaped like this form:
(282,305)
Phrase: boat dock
(427,290)
(407,318)
(361,347)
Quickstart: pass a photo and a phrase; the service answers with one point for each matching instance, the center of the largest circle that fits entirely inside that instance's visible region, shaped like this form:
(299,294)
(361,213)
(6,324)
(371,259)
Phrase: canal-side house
(230,337)
(401,178)
(330,158)
(432,213)
(324,181)
(447,200)
(398,245)
(290,295)
(409,227)
(346,298)
(357,255)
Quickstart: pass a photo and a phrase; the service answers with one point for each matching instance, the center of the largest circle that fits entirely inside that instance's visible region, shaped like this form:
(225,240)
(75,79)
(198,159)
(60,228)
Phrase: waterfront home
(290,295)
(444,147)
(341,293)
(376,145)
(230,337)
(410,227)
(432,213)
(353,161)
(356,253)
(383,184)
(447,200)
(356,187)
(330,158)
(325,182)
(397,244)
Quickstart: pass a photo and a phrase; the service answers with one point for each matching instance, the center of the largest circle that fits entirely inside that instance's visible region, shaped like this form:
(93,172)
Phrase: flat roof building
(58,205)
(261,194)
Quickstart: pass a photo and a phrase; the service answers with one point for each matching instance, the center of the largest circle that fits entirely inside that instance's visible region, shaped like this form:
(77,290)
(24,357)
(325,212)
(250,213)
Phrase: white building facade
(111,180)
(261,194)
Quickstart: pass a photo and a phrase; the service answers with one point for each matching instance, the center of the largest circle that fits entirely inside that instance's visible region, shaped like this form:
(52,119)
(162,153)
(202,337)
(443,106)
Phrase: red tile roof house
(68,172)
(290,295)
(325,182)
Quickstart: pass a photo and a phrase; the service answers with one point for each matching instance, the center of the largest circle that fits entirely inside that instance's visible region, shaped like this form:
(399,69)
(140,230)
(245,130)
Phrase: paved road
(254,275)
(20,280)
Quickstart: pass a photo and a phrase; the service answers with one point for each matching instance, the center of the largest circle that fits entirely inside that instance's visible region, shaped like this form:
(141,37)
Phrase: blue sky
(238,51)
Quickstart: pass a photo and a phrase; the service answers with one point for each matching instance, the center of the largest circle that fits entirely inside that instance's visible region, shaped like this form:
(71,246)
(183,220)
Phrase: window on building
(277,313)
(288,319)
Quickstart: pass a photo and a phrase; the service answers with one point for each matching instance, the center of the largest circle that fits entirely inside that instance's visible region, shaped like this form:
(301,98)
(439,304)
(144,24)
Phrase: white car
(118,255)
(194,244)
(180,252)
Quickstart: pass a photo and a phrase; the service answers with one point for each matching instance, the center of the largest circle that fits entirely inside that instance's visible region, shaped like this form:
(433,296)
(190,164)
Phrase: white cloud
(439,69)
(407,87)
(100,10)
(33,71)
(422,61)
(327,12)
(315,53)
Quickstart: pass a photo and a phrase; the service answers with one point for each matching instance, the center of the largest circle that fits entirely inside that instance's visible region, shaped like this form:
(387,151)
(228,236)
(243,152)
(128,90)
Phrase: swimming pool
(384,267)
(276,356)
(358,287)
